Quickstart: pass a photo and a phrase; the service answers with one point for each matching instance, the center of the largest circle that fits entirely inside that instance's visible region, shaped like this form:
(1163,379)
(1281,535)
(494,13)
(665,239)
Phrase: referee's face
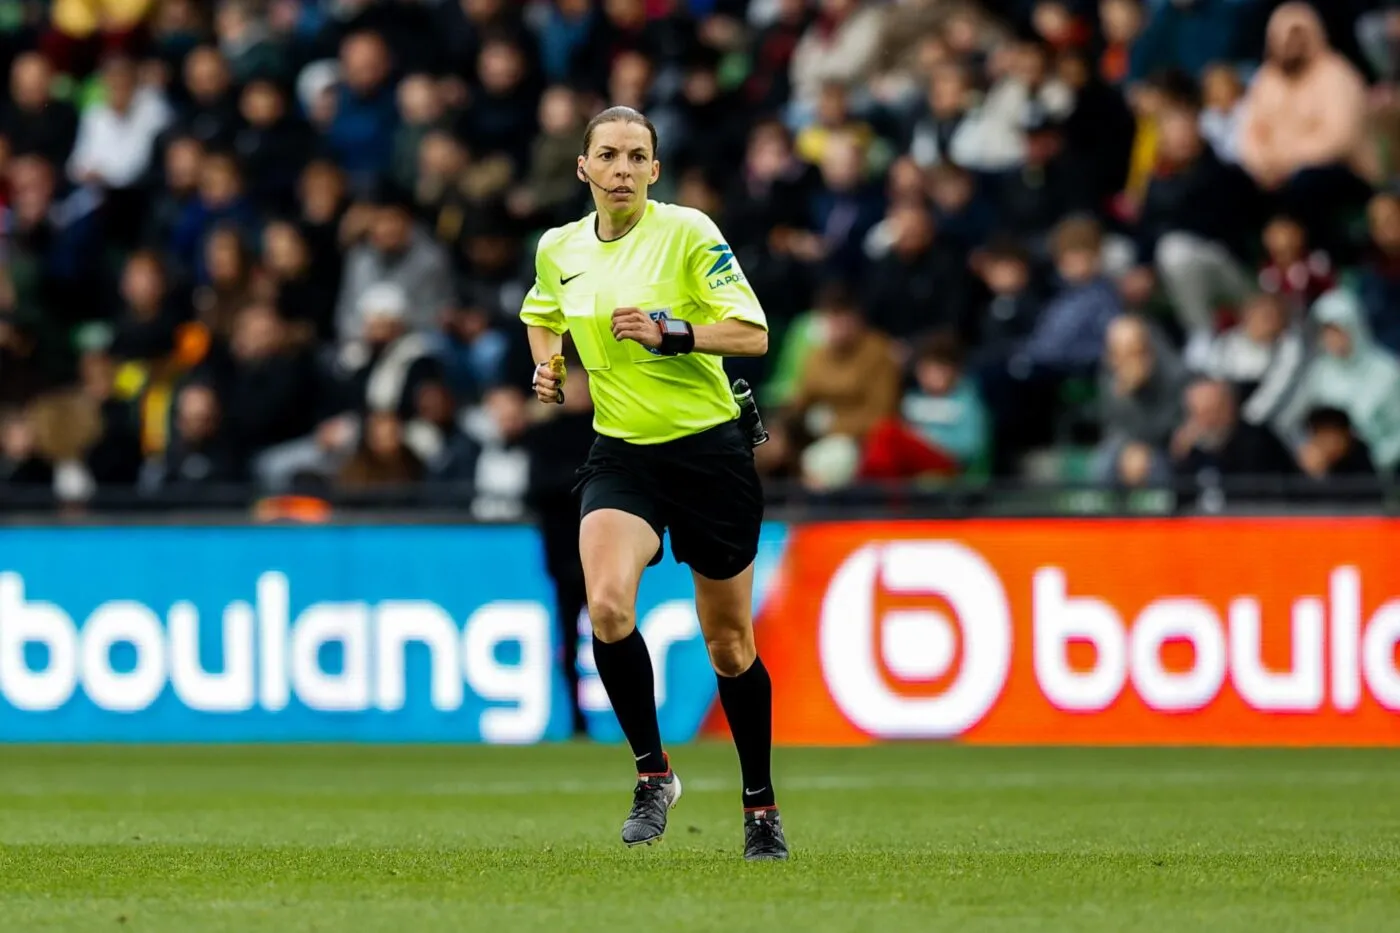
(621,165)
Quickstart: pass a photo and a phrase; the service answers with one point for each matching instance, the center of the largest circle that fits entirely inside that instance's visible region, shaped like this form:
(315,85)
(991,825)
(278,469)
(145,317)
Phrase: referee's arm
(542,314)
(545,325)
(544,343)
(740,327)
(731,337)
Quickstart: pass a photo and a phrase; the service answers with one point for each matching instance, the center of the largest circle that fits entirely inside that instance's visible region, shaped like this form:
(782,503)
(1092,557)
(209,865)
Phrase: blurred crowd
(283,242)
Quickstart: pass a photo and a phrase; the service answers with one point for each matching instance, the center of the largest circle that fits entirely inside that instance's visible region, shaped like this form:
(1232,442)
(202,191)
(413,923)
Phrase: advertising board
(1182,631)
(324,634)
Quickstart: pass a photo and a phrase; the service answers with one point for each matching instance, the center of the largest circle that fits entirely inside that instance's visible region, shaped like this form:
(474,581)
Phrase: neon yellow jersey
(673,263)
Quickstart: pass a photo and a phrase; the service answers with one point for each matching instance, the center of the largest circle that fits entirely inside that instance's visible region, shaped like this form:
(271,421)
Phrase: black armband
(677,337)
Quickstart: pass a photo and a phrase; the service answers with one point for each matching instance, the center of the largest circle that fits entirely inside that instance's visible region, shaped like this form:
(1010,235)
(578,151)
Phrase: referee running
(653,298)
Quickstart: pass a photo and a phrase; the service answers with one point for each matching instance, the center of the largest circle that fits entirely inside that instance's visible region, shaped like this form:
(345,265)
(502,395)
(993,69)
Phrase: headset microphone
(584,176)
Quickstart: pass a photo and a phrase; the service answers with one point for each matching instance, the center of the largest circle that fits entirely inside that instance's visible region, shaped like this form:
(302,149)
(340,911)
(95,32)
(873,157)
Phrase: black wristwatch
(677,337)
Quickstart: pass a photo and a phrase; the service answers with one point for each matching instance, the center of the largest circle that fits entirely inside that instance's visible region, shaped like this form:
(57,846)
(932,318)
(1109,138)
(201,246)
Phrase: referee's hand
(546,384)
(636,324)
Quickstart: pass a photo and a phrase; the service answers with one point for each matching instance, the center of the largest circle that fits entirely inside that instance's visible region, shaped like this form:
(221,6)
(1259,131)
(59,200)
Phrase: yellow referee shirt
(673,263)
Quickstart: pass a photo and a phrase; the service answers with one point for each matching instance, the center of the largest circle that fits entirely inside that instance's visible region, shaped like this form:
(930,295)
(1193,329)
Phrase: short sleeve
(541,307)
(719,283)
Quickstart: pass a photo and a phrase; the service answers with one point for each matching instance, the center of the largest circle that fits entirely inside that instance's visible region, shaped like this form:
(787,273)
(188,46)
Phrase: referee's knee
(731,651)
(612,614)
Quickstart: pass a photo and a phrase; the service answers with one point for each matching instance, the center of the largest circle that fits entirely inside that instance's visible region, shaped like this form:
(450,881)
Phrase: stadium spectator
(303,295)
(1292,269)
(1123,22)
(1213,442)
(228,281)
(387,367)
(272,144)
(1260,358)
(383,459)
(246,42)
(201,453)
(149,312)
(33,121)
(210,108)
(567,29)
(115,142)
(53,246)
(500,425)
(1066,343)
(833,116)
(1099,128)
(1376,34)
(1222,111)
(1013,302)
(20,461)
(850,380)
(964,217)
(178,183)
(1047,187)
(1353,373)
(920,284)
(422,108)
(219,202)
(1140,388)
(1187,34)
(395,250)
(1148,100)
(955,129)
(268,384)
(941,428)
(843,212)
(1191,226)
(83,28)
(1332,449)
(361,132)
(549,190)
(842,45)
(1304,133)
(113,458)
(474,352)
(435,437)
(1058,25)
(500,117)
(766,211)
(324,205)
(1378,278)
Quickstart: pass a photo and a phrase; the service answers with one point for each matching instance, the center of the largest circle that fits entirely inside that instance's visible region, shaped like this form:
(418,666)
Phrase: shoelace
(644,796)
(764,833)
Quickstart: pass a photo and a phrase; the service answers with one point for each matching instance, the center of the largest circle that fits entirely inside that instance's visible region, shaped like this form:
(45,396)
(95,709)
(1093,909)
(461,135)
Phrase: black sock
(625,669)
(748,705)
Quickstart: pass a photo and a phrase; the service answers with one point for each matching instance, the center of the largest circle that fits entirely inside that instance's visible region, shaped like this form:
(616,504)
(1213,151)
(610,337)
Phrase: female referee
(653,298)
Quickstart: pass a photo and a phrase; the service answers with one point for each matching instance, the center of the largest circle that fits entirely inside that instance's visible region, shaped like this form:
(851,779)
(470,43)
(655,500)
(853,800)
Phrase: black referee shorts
(703,488)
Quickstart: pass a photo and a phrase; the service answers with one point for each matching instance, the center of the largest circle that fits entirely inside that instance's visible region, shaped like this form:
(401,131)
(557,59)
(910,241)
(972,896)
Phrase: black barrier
(463,503)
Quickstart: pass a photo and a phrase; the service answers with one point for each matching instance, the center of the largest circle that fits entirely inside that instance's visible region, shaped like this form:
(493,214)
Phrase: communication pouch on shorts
(749,419)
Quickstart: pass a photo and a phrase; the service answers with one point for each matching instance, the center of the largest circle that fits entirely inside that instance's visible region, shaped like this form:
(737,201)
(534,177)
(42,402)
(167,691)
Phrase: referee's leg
(746,694)
(615,547)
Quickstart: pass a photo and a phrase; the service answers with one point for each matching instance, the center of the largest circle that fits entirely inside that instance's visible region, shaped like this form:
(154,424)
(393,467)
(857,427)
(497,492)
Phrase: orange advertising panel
(1197,631)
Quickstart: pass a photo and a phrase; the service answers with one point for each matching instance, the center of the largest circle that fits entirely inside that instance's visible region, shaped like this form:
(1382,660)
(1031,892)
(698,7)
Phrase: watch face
(672,326)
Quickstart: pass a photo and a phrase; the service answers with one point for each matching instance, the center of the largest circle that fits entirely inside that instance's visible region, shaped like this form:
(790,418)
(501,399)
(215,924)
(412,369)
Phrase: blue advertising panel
(375,634)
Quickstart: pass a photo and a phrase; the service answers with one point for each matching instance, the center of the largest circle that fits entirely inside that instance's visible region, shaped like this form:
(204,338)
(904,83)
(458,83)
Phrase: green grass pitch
(889,839)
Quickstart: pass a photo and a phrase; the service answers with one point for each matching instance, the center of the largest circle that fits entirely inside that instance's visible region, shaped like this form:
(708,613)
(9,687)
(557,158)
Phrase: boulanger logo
(273,659)
(916,645)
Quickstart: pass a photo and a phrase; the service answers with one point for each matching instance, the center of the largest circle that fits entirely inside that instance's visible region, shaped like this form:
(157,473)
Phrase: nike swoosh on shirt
(564,281)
